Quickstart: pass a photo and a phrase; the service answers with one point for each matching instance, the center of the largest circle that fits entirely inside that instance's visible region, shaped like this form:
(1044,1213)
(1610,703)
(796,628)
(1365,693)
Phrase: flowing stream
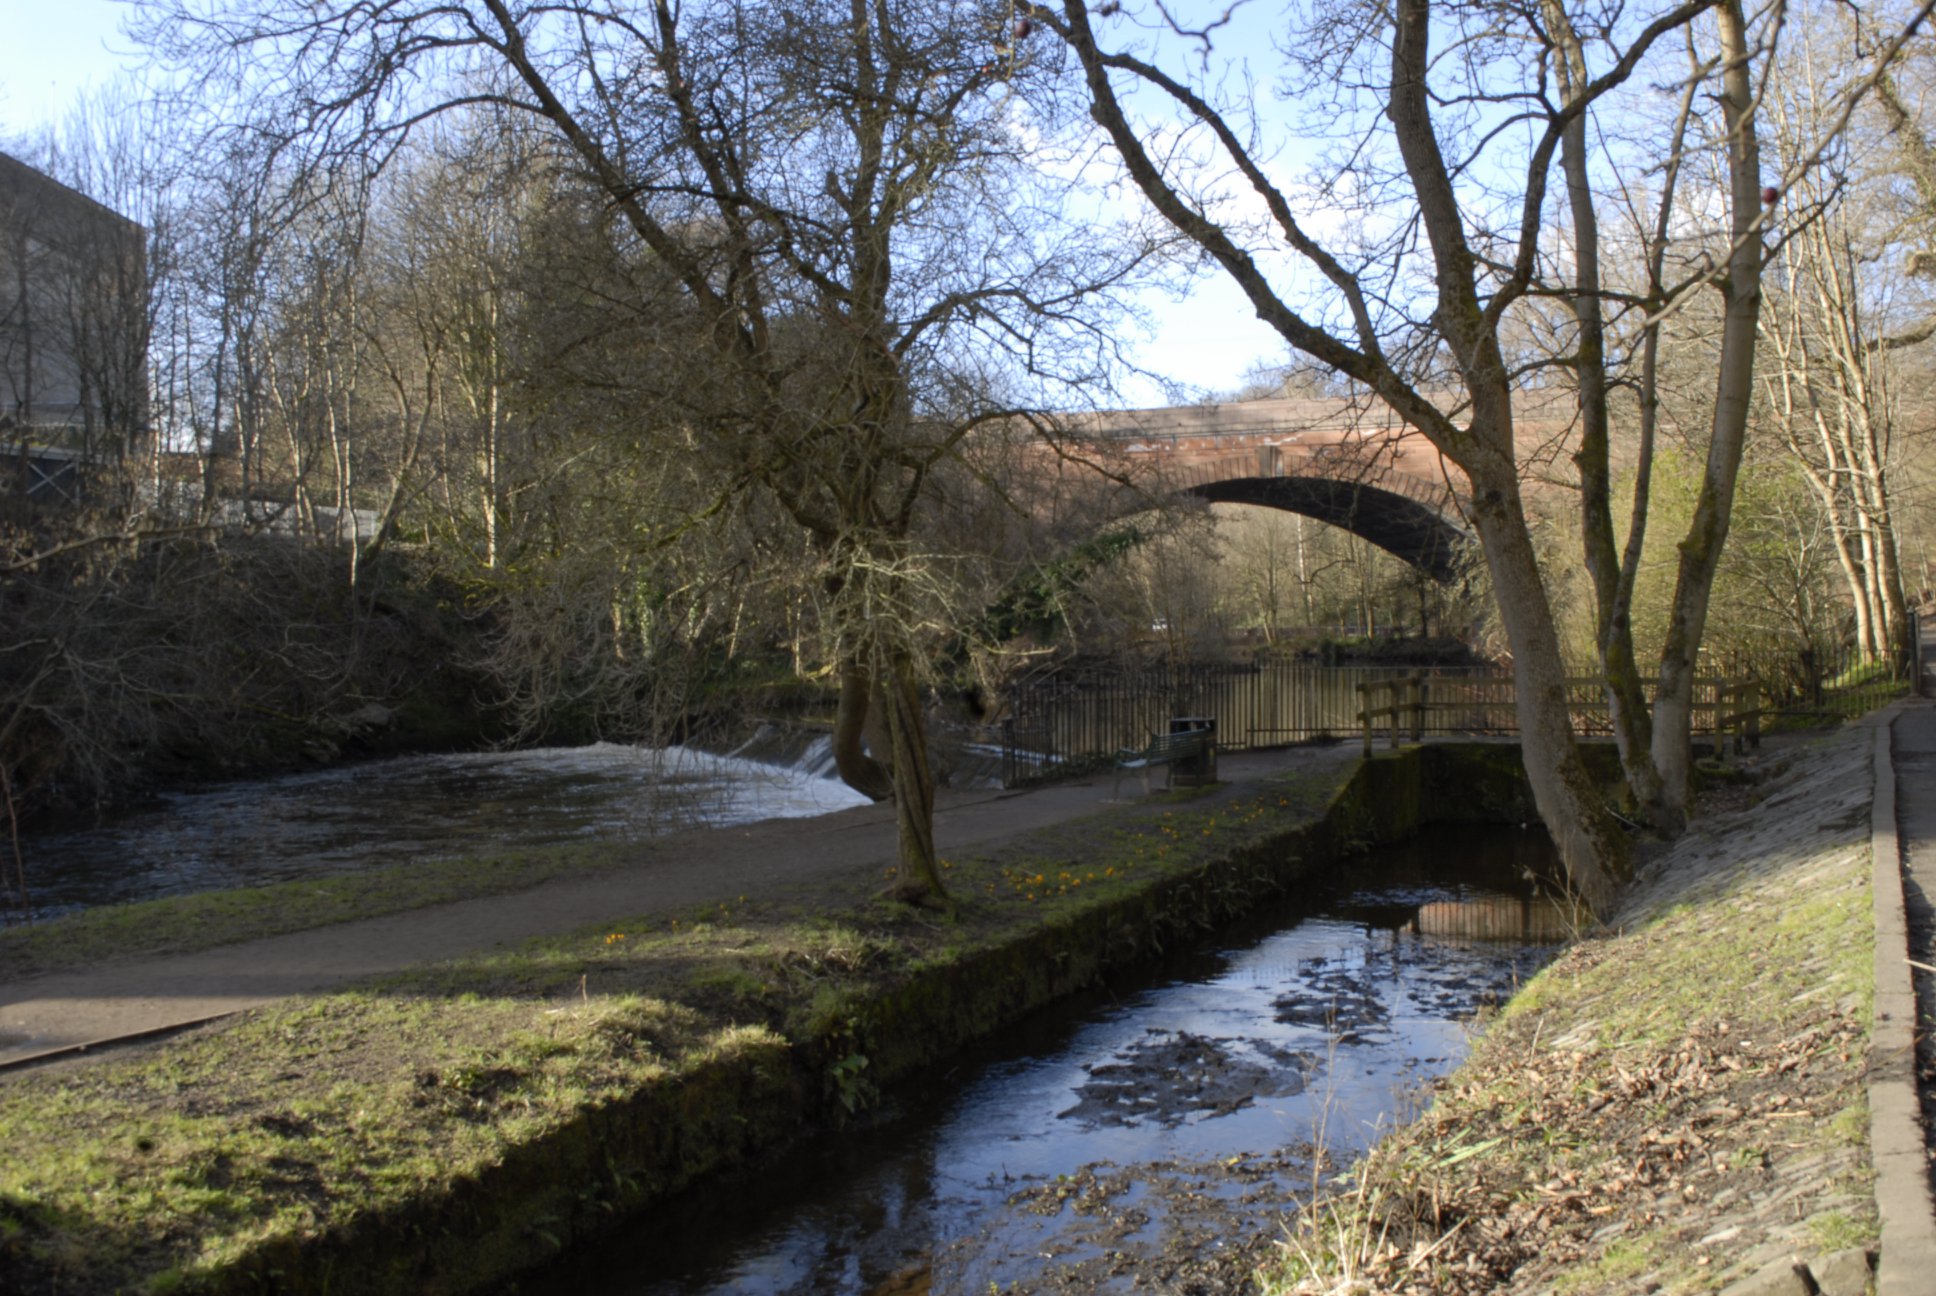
(1131,1137)
(1118,1142)
(381,813)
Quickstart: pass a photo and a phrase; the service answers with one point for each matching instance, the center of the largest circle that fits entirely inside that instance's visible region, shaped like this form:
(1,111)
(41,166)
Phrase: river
(1133,1139)
(384,813)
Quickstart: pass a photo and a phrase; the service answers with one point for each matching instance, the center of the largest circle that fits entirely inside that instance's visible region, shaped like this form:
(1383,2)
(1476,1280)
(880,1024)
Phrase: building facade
(74,325)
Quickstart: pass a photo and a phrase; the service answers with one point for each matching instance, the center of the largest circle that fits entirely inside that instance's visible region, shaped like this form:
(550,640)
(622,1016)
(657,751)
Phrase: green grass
(1847,695)
(245,1143)
(1701,963)
(1624,1260)
(184,924)
(171,1166)
(1838,1231)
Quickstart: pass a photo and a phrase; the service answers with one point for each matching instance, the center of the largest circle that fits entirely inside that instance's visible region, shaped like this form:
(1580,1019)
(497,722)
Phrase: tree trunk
(1590,845)
(913,782)
(1894,598)
(857,769)
(1613,624)
(1700,551)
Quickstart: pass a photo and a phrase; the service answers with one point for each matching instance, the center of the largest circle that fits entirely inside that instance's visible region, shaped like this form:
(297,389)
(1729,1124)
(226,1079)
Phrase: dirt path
(53,1016)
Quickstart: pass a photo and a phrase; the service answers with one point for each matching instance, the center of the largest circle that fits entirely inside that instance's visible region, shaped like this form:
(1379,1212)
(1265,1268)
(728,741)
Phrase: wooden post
(1726,722)
(1364,716)
(1737,717)
(1418,708)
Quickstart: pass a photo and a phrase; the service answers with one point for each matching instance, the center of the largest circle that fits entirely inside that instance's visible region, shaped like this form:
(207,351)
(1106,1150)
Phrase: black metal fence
(1073,722)
(1817,685)
(1066,723)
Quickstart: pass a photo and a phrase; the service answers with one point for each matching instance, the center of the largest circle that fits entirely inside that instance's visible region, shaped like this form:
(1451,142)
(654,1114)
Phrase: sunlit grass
(231,1144)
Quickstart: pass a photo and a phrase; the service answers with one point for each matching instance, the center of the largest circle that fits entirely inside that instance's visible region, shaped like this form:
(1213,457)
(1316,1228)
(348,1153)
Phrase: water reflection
(1542,919)
(1537,919)
(1120,1136)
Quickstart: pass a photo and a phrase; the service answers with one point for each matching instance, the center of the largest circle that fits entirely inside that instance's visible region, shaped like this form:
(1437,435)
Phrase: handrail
(1418,705)
(1736,708)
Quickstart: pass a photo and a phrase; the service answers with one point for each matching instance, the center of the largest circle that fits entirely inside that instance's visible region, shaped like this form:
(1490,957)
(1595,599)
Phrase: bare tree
(1830,388)
(837,193)
(1842,324)
(1434,294)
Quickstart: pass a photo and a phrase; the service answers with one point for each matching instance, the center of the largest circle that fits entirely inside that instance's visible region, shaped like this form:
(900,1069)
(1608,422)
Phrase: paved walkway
(55,1016)
(1902,1083)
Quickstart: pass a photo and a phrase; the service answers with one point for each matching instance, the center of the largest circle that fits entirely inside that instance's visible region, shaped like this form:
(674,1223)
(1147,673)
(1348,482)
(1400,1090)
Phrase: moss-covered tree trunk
(913,780)
(1590,845)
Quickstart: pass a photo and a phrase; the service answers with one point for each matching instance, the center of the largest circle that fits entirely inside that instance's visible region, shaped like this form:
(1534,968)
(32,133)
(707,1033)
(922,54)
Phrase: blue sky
(57,49)
(54,50)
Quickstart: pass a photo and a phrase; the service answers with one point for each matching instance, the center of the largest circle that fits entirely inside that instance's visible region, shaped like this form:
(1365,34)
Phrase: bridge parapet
(1337,461)
(1338,439)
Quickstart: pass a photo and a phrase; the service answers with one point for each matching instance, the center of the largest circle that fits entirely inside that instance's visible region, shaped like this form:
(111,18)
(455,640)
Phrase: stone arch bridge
(1350,463)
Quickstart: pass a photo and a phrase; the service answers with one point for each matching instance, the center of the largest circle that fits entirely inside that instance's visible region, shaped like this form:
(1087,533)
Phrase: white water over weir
(412,809)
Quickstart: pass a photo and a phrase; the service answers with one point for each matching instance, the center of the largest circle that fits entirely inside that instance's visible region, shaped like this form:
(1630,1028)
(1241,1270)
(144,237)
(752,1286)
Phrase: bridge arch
(1348,463)
(1403,527)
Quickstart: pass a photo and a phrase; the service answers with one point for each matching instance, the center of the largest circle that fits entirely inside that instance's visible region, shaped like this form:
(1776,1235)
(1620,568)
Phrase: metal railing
(1822,684)
(1728,709)
(1068,723)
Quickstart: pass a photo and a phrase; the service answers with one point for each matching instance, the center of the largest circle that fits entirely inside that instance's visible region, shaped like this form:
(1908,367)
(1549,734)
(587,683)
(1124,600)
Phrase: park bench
(1163,749)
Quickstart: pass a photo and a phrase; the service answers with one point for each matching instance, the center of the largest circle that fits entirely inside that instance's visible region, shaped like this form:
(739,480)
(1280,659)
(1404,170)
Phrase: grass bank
(1671,1105)
(210,919)
(439,1130)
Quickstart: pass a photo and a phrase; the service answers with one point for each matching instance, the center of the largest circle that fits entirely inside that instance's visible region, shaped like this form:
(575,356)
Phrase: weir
(899,1000)
(406,809)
